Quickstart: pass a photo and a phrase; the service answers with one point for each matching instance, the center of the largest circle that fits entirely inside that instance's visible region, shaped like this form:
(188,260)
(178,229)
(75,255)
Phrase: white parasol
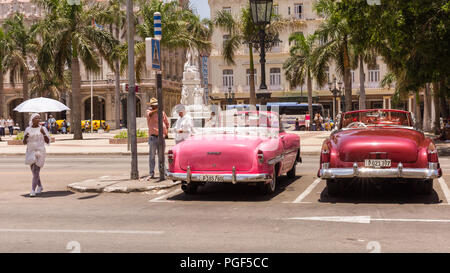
(41,105)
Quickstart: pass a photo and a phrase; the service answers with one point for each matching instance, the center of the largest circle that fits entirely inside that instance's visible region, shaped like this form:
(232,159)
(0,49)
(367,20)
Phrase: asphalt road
(299,217)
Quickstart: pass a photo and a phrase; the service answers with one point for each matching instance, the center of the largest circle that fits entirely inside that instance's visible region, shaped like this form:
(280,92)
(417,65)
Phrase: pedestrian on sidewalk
(2,126)
(52,124)
(10,124)
(35,137)
(64,127)
(184,126)
(153,133)
(307,120)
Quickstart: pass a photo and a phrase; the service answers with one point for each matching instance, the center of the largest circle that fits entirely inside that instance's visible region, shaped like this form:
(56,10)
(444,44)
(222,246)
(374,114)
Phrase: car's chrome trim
(400,172)
(227,177)
(275,160)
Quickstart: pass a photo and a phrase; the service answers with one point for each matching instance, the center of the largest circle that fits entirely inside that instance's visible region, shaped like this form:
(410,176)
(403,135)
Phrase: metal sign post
(153,61)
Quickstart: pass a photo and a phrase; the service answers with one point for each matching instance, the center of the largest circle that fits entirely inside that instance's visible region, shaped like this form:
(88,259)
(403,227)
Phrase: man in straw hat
(153,133)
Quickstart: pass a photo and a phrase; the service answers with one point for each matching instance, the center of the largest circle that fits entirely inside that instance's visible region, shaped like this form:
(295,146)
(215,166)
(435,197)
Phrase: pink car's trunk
(399,145)
(218,153)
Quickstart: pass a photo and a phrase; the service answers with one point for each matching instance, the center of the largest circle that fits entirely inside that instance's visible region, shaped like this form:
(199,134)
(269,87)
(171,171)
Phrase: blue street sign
(156,54)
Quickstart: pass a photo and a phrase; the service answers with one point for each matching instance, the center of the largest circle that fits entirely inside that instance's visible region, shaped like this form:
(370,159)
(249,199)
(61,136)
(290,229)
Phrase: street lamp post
(229,96)
(261,11)
(335,92)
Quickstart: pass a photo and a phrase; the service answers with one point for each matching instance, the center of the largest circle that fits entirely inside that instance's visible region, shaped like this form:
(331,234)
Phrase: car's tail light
(432,153)
(170,156)
(325,154)
(260,157)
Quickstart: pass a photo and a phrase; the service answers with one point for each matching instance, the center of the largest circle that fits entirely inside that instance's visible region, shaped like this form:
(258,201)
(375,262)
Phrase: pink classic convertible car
(378,144)
(245,147)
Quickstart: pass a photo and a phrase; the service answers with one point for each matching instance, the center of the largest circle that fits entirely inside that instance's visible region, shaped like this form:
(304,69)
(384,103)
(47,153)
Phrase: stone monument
(192,94)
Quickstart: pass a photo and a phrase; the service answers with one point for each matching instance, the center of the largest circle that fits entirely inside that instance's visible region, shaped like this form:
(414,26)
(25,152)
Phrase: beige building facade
(102,83)
(235,78)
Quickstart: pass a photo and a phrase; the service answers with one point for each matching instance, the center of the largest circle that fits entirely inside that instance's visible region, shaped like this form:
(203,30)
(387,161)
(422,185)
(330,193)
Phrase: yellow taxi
(86,125)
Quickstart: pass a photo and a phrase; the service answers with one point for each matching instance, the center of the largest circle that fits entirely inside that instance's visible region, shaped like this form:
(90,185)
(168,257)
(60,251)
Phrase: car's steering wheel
(356,124)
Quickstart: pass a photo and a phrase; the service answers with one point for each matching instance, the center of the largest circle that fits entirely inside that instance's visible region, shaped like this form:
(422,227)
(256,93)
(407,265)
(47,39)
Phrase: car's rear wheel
(269,188)
(291,173)
(333,187)
(190,188)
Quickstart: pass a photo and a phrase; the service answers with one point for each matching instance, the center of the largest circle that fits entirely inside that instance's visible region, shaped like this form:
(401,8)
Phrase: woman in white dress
(35,137)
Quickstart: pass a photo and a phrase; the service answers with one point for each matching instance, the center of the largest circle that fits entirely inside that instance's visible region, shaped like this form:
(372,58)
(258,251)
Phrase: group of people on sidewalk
(6,123)
(318,123)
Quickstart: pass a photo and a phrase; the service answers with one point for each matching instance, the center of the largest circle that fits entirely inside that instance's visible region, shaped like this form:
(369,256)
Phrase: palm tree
(23,47)
(181,29)
(336,34)
(362,55)
(70,38)
(242,31)
(5,43)
(301,66)
(115,17)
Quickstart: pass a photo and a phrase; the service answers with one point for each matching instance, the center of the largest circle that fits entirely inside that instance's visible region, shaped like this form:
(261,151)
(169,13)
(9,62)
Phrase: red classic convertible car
(245,147)
(378,144)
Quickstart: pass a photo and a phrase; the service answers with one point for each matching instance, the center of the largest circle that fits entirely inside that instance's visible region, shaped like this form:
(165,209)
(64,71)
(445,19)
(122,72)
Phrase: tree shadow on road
(234,193)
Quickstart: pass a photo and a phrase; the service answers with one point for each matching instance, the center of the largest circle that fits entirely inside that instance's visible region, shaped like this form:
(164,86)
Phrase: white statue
(184,95)
(191,64)
(198,95)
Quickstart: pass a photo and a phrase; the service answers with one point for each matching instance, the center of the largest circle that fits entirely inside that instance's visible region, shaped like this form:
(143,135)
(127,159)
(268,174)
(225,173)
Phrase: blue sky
(202,7)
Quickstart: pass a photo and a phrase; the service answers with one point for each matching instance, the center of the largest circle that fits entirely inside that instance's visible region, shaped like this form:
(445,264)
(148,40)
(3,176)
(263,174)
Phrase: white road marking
(364,219)
(444,188)
(307,191)
(148,232)
(345,219)
(165,196)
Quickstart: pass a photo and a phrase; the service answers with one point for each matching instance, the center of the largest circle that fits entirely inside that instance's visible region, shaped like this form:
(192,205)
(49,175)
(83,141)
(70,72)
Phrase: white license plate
(211,178)
(377,163)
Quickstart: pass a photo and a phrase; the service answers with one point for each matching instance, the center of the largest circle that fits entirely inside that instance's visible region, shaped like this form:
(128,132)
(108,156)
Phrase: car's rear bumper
(433,171)
(226,177)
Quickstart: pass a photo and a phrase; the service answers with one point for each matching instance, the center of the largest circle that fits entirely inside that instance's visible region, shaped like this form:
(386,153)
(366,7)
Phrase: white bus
(289,112)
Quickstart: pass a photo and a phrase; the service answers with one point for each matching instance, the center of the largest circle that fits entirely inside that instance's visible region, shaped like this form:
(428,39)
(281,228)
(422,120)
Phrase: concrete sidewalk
(120,184)
(98,144)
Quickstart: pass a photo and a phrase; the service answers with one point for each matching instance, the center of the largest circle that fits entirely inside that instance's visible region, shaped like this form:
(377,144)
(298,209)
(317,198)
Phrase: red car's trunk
(219,153)
(399,145)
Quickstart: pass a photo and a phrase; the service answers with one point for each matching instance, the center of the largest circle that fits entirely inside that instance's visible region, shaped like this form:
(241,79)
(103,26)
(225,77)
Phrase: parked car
(245,147)
(378,143)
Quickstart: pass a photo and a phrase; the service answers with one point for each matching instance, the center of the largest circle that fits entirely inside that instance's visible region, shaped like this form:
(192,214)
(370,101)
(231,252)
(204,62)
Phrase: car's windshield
(375,118)
(243,123)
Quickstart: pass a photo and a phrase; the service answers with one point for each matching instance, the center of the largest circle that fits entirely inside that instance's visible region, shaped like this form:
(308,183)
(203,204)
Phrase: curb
(119,189)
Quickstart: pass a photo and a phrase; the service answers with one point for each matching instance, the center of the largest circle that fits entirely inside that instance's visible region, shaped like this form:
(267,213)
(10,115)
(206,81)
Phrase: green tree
(5,47)
(70,38)
(181,29)
(242,31)
(335,34)
(23,47)
(302,65)
(115,18)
